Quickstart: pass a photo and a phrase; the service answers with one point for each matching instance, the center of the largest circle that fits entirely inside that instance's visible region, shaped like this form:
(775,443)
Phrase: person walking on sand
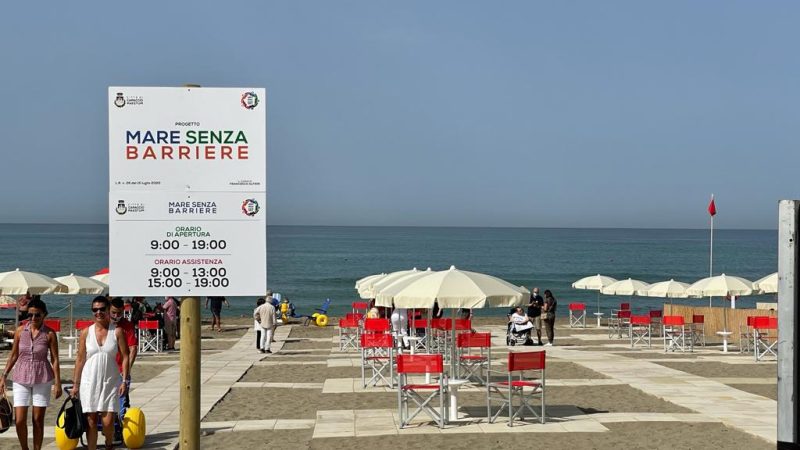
(34,375)
(535,312)
(266,317)
(96,376)
(256,324)
(549,310)
(216,311)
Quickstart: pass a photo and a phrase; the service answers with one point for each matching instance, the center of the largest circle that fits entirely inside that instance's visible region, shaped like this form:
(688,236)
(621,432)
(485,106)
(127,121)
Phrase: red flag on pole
(712,209)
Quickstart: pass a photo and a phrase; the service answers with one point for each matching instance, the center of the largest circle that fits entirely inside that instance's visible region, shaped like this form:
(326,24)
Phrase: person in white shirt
(267,318)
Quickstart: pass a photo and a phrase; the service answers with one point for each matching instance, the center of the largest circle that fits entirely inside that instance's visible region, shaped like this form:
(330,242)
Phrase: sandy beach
(282,400)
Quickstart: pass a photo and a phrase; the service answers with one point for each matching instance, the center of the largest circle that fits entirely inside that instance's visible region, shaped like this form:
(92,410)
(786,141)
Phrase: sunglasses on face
(35,315)
(99,310)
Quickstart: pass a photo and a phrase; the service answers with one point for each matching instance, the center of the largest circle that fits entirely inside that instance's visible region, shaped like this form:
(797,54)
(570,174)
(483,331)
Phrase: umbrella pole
(71,328)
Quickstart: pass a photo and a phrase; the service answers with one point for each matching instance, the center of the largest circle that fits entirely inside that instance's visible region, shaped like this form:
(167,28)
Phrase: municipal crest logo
(121,208)
(250,207)
(119,102)
(249,100)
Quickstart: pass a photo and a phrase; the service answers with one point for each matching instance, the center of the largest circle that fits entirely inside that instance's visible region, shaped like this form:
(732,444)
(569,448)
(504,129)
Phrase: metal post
(788,311)
(190,374)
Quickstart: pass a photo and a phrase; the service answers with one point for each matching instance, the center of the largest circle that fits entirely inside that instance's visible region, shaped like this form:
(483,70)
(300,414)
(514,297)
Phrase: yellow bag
(134,428)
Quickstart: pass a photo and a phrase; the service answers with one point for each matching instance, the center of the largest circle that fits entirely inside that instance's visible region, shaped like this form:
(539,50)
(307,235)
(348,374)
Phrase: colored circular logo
(250,207)
(249,100)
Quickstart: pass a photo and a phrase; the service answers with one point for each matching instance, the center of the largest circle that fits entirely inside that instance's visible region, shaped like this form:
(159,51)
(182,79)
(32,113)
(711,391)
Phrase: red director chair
(577,315)
(474,364)
(522,389)
(377,355)
(409,391)
(348,334)
(150,336)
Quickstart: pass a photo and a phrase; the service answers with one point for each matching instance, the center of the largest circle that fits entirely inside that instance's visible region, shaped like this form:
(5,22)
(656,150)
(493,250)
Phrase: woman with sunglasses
(34,375)
(97,378)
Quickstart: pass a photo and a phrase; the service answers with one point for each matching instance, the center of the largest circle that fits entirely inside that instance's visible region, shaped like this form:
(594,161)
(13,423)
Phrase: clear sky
(542,114)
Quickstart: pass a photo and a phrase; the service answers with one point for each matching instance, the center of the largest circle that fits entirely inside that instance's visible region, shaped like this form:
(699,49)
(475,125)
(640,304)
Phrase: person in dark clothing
(549,311)
(216,311)
(535,312)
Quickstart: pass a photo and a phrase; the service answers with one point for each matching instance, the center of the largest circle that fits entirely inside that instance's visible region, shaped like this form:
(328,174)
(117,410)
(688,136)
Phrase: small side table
(599,316)
(453,385)
(724,335)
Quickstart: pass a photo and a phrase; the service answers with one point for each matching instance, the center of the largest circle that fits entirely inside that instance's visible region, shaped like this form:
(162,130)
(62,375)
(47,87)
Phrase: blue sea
(311,263)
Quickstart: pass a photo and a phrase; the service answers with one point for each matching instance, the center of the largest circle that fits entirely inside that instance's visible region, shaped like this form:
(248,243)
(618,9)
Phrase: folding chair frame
(765,337)
(698,330)
(377,354)
(676,335)
(151,337)
(421,364)
(474,364)
(577,315)
(507,391)
(640,330)
(349,335)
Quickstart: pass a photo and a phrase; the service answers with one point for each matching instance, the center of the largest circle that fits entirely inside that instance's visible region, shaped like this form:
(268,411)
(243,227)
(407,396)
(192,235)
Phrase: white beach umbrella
(104,278)
(624,287)
(767,285)
(385,294)
(20,282)
(7,302)
(78,285)
(665,289)
(368,278)
(365,290)
(721,286)
(594,283)
(454,288)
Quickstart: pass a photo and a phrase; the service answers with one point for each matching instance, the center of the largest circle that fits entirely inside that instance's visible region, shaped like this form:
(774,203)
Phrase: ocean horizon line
(477,227)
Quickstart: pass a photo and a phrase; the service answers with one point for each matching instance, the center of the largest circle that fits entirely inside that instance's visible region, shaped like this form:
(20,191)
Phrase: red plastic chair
(150,336)
(577,315)
(520,364)
(474,364)
(377,355)
(410,391)
(348,334)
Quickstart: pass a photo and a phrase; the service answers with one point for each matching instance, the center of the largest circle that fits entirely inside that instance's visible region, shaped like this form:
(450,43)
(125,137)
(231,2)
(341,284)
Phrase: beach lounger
(422,394)
(519,385)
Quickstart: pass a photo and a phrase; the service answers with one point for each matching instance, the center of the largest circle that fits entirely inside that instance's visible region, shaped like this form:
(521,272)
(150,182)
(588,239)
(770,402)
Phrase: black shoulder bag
(74,422)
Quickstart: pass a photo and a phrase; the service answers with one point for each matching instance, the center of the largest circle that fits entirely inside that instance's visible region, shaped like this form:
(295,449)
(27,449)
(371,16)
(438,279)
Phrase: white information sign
(187,200)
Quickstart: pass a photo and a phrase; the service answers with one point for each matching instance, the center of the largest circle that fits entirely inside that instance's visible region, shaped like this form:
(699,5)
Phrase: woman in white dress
(97,378)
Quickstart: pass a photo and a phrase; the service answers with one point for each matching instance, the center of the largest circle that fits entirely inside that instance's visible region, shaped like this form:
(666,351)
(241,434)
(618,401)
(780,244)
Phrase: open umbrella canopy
(455,288)
(624,287)
(7,302)
(369,278)
(665,289)
(720,286)
(104,278)
(19,282)
(78,285)
(366,291)
(767,285)
(594,282)
(385,294)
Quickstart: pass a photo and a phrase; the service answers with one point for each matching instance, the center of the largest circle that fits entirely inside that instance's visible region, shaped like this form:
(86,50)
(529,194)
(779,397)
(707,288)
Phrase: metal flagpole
(711,251)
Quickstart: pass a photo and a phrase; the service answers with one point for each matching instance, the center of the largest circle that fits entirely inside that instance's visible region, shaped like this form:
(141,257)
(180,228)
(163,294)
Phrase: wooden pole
(190,374)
